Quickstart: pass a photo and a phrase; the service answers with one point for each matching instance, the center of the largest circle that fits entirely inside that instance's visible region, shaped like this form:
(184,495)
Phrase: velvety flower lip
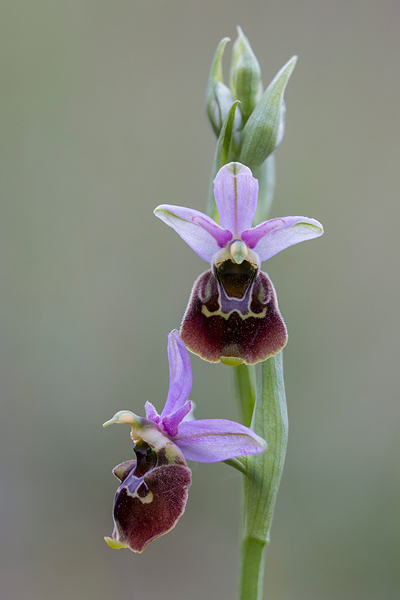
(151,497)
(236,192)
(218,327)
(153,488)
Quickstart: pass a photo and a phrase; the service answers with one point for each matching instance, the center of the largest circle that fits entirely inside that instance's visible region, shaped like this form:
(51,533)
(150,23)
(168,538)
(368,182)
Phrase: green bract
(260,134)
(249,124)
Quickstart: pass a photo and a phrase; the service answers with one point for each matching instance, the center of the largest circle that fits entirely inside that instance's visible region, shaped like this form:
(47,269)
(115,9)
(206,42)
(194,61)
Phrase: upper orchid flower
(233,313)
(154,487)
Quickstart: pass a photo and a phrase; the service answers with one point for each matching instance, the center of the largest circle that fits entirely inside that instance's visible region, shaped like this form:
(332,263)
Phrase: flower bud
(245,75)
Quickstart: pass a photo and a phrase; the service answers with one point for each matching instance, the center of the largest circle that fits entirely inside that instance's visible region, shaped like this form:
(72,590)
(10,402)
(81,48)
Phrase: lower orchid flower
(233,313)
(154,487)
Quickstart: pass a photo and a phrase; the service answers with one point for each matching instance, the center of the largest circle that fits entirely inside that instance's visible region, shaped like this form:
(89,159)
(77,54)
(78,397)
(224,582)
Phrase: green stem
(244,379)
(264,473)
(252,571)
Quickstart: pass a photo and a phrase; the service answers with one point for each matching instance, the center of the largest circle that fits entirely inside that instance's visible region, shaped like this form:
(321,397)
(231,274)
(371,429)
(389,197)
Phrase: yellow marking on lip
(146,500)
(226,316)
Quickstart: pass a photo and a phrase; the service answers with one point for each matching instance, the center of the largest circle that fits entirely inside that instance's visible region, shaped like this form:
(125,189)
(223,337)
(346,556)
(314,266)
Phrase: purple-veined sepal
(198,230)
(215,440)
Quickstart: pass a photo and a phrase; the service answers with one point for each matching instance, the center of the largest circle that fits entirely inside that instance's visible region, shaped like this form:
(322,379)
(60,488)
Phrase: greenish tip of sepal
(216,95)
(114,544)
(262,131)
(245,75)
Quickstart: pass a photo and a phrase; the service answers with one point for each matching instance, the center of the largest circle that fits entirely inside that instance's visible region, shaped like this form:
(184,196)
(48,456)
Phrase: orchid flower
(233,315)
(154,487)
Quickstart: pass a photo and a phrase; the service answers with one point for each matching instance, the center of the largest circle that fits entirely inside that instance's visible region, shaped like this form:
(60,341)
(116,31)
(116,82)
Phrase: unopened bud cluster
(248,121)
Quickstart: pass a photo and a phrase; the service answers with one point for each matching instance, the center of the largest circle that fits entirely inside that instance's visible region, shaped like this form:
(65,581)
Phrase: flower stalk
(244,380)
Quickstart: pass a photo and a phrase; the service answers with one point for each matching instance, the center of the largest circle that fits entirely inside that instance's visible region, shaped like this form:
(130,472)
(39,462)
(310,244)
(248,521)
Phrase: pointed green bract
(245,75)
(260,133)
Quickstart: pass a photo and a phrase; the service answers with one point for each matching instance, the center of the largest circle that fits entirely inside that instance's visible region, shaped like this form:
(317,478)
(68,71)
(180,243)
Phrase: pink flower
(233,315)
(154,487)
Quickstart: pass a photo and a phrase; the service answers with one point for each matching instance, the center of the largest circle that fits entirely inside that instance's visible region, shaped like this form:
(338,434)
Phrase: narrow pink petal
(199,231)
(151,412)
(271,237)
(171,422)
(223,236)
(214,440)
(180,374)
(236,192)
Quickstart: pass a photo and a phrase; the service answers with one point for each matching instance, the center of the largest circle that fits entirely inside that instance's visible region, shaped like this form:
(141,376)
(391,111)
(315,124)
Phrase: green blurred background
(102,118)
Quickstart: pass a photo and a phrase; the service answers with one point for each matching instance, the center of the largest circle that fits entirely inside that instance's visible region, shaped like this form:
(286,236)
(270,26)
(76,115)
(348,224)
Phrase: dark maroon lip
(247,326)
(152,496)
